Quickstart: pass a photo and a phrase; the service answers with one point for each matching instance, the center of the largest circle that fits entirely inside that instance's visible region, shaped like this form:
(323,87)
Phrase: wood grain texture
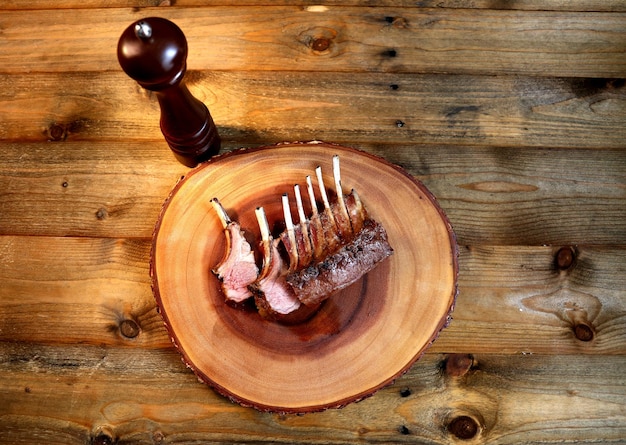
(349,108)
(547,302)
(91,391)
(530,5)
(75,288)
(512,299)
(497,195)
(512,113)
(539,43)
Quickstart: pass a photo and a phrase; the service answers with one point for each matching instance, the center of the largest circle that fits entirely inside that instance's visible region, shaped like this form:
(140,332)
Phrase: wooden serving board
(363,337)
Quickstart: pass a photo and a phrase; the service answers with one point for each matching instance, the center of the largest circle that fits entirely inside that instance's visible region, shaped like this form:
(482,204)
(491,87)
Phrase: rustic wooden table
(512,113)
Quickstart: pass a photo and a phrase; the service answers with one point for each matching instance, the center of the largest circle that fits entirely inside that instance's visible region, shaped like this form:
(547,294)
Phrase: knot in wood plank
(319,39)
(101,214)
(397,22)
(457,365)
(565,258)
(57,132)
(321,44)
(463,427)
(129,328)
(584,332)
(103,436)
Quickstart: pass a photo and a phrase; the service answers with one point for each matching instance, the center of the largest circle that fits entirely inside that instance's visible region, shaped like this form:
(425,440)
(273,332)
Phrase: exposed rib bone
(301,215)
(290,243)
(309,186)
(266,240)
(339,209)
(263,224)
(221,212)
(323,194)
(287,213)
(356,211)
(305,250)
(316,231)
(331,232)
(340,198)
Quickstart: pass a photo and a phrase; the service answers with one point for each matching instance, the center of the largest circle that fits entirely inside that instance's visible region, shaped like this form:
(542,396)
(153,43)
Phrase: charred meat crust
(315,283)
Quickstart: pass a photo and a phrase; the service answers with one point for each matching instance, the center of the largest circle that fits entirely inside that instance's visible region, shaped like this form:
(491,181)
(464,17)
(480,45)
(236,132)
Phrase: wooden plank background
(349,39)
(512,113)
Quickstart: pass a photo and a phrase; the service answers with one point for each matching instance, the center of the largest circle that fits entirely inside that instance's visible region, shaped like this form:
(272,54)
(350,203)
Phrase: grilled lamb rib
(324,253)
(237,269)
(273,296)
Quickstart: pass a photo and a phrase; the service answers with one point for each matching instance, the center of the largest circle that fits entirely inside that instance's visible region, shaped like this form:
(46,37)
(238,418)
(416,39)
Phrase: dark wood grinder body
(153,51)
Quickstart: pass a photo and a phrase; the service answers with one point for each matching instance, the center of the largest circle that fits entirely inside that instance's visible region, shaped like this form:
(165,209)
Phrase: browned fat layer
(342,221)
(318,241)
(305,252)
(356,211)
(337,271)
(331,236)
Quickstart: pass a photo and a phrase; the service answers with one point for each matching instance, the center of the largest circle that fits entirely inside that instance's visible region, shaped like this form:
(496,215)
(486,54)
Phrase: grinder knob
(153,51)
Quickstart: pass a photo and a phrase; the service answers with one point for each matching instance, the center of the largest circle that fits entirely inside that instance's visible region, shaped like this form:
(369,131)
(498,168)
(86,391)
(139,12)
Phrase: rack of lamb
(309,260)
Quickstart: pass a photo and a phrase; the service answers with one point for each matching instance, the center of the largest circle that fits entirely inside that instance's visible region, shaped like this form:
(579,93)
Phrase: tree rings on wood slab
(364,336)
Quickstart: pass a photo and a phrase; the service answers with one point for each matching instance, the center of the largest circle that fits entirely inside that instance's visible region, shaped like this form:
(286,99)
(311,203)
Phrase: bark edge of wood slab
(361,340)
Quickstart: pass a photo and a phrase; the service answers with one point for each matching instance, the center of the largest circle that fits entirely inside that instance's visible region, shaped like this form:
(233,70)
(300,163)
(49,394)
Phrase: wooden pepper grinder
(153,51)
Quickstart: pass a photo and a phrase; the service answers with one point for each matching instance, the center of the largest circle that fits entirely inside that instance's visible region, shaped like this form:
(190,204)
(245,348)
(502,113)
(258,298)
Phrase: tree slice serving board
(361,340)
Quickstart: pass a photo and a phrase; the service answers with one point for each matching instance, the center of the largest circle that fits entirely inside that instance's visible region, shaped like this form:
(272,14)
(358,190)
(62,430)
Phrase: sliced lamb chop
(274,298)
(237,269)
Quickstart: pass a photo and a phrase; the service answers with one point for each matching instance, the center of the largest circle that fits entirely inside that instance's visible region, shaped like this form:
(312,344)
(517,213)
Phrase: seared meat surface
(324,252)
(315,283)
